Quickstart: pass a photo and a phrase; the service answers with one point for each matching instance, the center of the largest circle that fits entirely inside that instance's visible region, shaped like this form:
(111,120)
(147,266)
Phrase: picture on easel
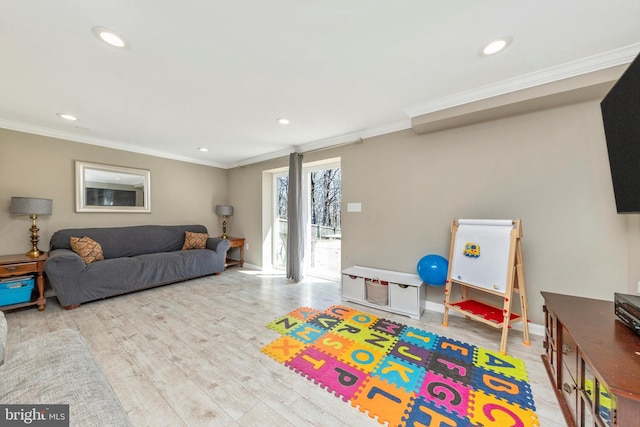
(486,256)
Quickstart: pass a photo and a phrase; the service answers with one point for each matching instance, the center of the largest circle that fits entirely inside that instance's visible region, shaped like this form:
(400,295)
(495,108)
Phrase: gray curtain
(295,219)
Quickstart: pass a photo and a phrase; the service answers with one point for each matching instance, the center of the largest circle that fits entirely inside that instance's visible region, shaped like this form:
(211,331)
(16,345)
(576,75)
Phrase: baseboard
(534,328)
(251,266)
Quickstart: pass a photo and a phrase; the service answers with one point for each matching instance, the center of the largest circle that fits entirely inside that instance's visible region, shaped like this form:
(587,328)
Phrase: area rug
(402,375)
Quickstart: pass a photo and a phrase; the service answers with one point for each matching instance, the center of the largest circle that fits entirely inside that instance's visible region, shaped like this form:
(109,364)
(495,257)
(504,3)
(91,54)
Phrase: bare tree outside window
(325,196)
(325,202)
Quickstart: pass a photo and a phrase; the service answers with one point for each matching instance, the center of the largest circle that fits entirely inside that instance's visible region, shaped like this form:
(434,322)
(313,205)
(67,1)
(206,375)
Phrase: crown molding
(107,143)
(576,68)
(328,143)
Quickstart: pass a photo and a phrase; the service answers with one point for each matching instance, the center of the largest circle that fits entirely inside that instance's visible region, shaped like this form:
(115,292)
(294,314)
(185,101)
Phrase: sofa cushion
(87,248)
(194,240)
(3,336)
(58,367)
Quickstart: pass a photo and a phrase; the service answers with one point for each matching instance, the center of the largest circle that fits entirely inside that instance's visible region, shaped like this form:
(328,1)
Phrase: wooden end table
(20,265)
(236,242)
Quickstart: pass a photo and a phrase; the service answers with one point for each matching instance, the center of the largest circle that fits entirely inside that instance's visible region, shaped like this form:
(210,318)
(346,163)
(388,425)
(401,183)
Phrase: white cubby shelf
(406,292)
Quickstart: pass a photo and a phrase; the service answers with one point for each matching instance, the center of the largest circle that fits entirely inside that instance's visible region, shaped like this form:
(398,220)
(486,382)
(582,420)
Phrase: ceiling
(217,74)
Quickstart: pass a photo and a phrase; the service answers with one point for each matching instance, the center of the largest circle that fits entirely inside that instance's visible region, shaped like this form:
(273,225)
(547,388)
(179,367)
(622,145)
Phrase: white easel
(486,256)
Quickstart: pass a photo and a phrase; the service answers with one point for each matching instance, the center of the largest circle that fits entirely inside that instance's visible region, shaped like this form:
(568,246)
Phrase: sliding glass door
(323,198)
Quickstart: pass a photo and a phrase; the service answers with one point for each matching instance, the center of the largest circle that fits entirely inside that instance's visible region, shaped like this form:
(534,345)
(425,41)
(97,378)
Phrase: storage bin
(404,298)
(15,290)
(352,287)
(377,291)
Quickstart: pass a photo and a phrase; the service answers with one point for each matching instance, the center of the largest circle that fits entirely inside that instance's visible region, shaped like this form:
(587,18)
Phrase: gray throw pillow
(3,336)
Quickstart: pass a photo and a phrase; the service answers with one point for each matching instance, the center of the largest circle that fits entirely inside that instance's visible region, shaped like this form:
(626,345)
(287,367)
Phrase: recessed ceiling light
(67,116)
(203,149)
(282,121)
(112,38)
(496,45)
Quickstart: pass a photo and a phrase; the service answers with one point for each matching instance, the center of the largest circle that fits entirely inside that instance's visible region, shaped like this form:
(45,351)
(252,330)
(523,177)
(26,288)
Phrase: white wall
(548,168)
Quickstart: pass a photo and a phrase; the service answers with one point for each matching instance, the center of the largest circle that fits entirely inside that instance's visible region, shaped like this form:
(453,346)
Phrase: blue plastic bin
(15,290)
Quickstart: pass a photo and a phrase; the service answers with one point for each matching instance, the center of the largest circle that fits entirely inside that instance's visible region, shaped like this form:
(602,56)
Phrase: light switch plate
(354,207)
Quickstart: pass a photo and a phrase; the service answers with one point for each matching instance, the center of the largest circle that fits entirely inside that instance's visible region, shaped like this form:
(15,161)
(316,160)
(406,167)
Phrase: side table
(236,242)
(19,265)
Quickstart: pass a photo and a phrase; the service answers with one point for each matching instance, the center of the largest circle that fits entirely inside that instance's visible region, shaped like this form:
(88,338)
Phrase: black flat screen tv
(621,119)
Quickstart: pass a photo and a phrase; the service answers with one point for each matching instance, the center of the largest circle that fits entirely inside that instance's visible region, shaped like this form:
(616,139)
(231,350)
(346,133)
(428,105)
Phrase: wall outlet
(246,247)
(639,287)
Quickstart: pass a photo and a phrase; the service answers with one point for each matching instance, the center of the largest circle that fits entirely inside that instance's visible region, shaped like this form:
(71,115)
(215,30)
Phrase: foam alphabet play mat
(402,375)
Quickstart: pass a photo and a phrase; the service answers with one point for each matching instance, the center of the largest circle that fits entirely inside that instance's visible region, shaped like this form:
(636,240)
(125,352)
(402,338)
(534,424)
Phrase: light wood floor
(188,354)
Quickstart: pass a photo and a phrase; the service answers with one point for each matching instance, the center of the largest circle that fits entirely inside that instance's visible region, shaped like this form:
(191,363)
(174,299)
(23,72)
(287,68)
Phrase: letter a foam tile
(501,363)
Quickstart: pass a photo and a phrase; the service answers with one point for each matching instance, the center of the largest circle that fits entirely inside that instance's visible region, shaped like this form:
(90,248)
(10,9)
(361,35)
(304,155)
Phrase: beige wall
(38,166)
(548,168)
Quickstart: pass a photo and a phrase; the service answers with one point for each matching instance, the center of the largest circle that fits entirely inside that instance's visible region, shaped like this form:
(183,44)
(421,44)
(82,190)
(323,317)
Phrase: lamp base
(224,227)
(34,253)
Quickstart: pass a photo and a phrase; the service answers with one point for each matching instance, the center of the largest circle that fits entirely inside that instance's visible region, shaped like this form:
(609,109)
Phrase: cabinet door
(569,370)
(551,341)
(569,351)
(586,386)
(569,392)
(604,404)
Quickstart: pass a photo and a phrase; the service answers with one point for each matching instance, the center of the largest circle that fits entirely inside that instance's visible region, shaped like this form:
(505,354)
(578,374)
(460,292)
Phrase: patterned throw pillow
(194,240)
(87,248)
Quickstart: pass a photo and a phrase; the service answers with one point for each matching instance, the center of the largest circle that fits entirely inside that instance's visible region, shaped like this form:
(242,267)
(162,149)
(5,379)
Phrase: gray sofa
(53,369)
(135,258)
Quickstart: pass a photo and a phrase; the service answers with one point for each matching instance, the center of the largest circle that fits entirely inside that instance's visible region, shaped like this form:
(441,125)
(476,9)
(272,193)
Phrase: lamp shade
(224,210)
(30,206)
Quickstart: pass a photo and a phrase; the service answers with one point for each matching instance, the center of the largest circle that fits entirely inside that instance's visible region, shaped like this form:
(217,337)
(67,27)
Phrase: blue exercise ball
(433,269)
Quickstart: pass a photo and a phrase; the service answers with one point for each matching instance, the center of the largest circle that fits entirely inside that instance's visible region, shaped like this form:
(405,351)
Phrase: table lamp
(33,207)
(224,211)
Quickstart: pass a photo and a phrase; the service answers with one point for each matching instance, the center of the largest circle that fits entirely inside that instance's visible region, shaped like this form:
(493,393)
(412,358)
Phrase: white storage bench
(406,292)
